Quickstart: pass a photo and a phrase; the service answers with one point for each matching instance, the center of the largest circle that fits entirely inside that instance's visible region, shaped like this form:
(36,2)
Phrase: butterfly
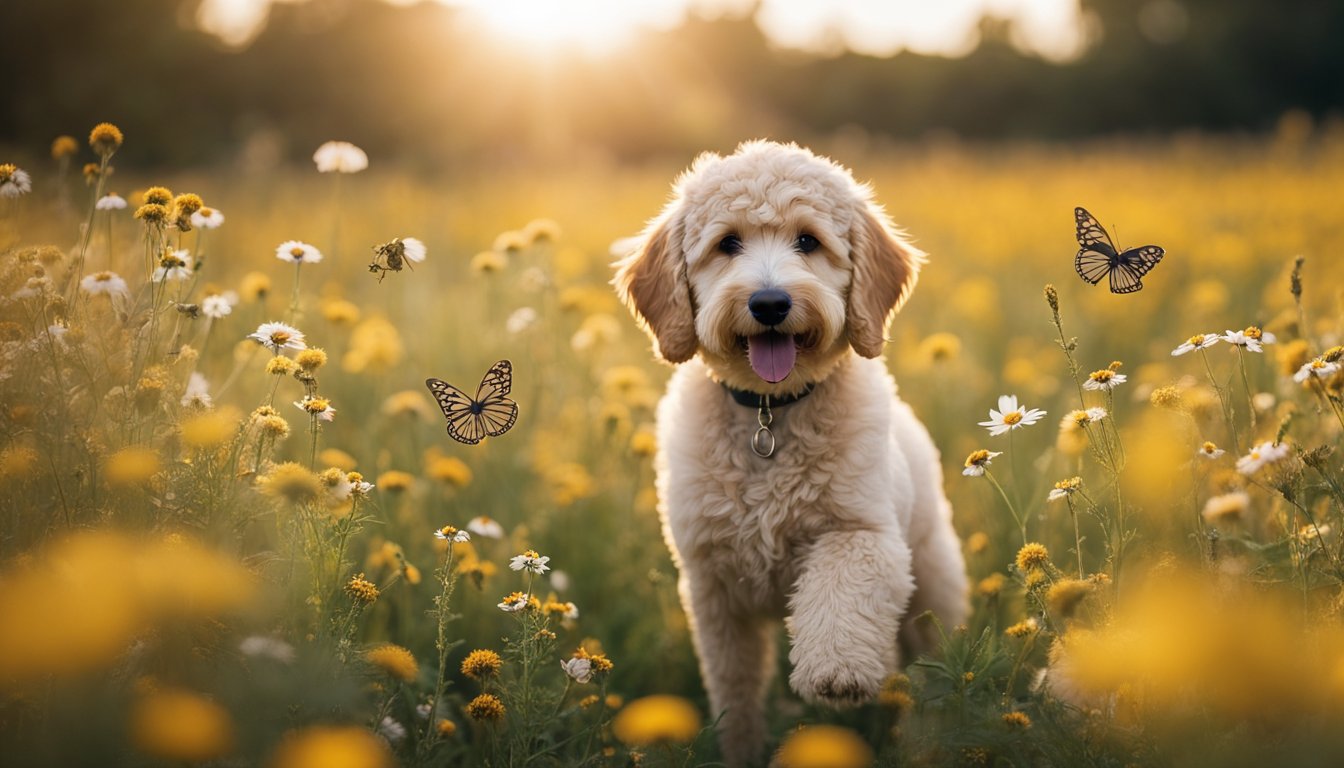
(490,414)
(1099,258)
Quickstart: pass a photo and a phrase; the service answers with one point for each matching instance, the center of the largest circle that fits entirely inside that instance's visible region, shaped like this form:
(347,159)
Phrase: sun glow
(594,26)
(1055,29)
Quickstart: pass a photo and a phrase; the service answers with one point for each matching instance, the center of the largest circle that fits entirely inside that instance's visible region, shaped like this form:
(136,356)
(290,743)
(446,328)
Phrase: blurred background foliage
(411,81)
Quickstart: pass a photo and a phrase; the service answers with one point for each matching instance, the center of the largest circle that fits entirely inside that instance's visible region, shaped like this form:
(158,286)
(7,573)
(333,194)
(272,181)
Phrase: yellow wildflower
(394,661)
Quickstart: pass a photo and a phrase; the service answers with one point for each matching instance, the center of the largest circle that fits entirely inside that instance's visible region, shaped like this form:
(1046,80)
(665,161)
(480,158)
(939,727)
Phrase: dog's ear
(885,269)
(652,282)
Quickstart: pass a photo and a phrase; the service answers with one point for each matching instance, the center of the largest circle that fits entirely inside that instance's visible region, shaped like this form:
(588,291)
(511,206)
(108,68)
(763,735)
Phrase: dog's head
(771,263)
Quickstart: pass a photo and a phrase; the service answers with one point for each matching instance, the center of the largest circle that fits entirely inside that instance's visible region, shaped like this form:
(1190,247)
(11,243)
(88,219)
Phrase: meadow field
(220,549)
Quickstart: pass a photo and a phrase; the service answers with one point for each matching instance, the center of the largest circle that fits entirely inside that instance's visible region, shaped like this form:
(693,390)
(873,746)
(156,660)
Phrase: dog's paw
(836,684)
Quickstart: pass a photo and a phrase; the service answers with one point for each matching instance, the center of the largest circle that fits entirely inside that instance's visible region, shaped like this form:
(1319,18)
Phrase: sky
(1052,28)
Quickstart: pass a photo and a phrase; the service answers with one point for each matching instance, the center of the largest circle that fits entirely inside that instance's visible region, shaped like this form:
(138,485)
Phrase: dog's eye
(807,243)
(731,245)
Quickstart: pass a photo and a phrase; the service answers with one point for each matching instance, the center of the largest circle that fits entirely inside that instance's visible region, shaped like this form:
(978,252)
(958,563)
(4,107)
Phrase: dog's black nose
(769,306)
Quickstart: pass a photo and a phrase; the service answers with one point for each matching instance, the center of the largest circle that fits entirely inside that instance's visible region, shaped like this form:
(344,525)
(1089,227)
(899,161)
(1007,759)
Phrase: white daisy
(1263,401)
(270,647)
(391,730)
(485,526)
(110,202)
(278,336)
(413,249)
(579,670)
(530,561)
(1227,508)
(1318,367)
(197,393)
(1198,341)
(1262,455)
(33,288)
(1210,451)
(216,306)
(520,320)
(1065,488)
(109,283)
(207,218)
(172,266)
(571,612)
(297,252)
(559,580)
(977,461)
(1240,339)
(340,157)
(515,602)
(317,406)
(1081,418)
(449,533)
(361,487)
(14,181)
(1104,380)
(1010,416)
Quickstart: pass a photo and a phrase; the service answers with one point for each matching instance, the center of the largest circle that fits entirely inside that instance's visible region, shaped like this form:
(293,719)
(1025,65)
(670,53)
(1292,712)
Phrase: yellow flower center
(1103,376)
(1197,340)
(531,554)
(977,458)
(296,252)
(316,405)
(1254,333)
(207,212)
(1318,363)
(103,277)
(280,338)
(1209,447)
(1012,417)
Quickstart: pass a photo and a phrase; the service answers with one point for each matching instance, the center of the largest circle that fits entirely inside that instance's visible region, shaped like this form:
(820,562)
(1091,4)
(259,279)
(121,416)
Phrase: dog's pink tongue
(772,355)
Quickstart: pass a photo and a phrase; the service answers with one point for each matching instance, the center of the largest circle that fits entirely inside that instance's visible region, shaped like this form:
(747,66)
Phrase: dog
(792,481)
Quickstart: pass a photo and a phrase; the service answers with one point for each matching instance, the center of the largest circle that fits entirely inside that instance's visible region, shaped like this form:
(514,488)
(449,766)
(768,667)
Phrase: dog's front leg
(845,613)
(737,656)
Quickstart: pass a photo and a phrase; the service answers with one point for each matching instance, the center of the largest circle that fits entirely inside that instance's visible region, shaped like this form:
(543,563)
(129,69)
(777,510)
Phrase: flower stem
(1021,523)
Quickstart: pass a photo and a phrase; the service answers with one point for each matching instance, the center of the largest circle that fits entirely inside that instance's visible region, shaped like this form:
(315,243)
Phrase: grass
(178,578)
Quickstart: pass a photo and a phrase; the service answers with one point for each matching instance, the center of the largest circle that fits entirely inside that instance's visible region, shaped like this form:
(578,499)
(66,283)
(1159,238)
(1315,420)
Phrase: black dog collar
(763,441)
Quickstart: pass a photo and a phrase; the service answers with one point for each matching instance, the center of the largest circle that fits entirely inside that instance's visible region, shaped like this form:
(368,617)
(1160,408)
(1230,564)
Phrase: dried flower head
(361,590)
(1032,557)
(63,147)
(486,708)
(311,359)
(1168,397)
(291,481)
(1065,595)
(393,661)
(153,214)
(105,138)
(481,664)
